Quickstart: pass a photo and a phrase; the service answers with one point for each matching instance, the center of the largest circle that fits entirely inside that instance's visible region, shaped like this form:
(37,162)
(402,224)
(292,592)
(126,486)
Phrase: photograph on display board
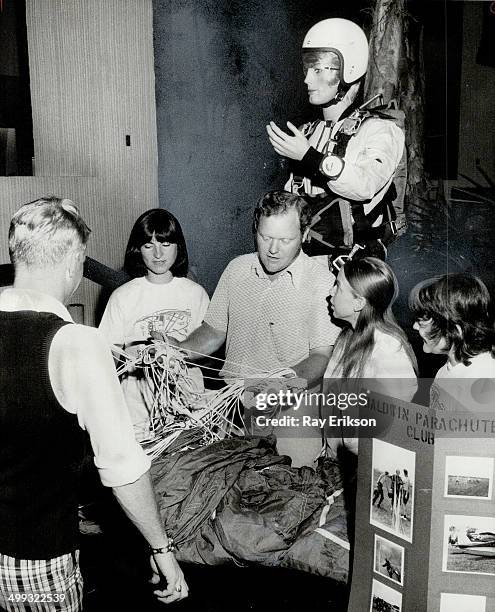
(392,489)
(469,477)
(384,598)
(469,544)
(389,559)
(459,602)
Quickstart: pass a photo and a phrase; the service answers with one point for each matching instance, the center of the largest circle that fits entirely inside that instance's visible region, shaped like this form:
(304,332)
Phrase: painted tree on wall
(396,69)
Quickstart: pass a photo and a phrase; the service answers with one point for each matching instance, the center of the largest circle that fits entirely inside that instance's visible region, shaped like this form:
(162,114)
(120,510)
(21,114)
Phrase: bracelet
(170,547)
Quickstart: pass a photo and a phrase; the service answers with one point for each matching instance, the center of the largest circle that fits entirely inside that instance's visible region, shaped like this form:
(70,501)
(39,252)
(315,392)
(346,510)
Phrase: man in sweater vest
(56,380)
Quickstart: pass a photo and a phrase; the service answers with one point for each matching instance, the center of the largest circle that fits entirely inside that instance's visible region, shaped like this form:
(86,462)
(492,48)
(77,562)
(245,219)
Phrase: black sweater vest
(41,444)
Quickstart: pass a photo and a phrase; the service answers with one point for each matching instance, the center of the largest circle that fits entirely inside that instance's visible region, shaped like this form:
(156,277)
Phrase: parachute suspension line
(178,403)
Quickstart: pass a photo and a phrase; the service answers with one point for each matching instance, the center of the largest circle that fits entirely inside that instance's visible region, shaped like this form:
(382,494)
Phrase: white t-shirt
(388,360)
(139,307)
(388,371)
(462,387)
(136,309)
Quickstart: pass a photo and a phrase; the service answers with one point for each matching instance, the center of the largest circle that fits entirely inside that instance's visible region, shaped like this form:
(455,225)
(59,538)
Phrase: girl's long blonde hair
(374,280)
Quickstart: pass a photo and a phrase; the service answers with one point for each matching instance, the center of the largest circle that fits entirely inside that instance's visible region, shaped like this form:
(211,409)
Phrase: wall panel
(224,69)
(92,83)
(477,117)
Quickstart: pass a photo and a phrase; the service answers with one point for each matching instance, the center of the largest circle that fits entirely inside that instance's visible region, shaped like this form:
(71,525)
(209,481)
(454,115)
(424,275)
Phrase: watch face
(331,165)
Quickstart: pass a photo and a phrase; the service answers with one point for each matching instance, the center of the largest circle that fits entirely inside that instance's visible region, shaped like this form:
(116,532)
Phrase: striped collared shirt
(271,324)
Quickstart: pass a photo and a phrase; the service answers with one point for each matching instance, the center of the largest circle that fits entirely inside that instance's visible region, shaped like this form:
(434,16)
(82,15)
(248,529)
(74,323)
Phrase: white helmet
(344,38)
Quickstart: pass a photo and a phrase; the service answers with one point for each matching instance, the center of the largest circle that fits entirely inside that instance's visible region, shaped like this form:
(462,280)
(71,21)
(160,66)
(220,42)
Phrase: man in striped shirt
(270,307)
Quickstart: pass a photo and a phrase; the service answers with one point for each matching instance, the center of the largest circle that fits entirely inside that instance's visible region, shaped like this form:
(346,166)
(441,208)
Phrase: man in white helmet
(348,158)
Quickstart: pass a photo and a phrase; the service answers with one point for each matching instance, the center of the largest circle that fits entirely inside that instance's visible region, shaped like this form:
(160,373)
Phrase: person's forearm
(312,368)
(204,340)
(139,504)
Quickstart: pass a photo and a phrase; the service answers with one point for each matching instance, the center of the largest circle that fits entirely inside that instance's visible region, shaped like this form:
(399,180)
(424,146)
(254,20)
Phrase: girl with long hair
(159,298)
(454,317)
(372,345)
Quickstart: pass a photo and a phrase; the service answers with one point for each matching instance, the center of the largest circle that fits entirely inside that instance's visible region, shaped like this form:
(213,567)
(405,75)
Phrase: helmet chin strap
(333,101)
(344,98)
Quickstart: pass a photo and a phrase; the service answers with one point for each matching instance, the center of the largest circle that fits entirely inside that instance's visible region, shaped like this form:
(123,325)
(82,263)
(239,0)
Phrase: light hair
(44,231)
(375,281)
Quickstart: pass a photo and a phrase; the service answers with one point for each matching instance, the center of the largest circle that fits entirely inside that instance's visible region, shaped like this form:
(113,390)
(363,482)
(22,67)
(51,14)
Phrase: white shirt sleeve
(371,158)
(392,370)
(217,315)
(112,324)
(83,377)
(322,331)
(202,307)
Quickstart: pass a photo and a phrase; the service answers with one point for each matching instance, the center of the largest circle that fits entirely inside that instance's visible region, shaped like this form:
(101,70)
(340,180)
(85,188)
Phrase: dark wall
(442,49)
(223,69)
(15,97)
(477,108)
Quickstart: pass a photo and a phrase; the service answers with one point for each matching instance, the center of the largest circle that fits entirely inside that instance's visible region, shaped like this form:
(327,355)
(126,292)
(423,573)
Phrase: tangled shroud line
(179,404)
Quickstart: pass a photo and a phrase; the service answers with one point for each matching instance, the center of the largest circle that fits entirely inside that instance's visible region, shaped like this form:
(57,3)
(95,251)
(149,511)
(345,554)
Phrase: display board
(425,517)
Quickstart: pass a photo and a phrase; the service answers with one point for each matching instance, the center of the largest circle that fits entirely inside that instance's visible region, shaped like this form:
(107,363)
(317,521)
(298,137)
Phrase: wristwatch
(331,166)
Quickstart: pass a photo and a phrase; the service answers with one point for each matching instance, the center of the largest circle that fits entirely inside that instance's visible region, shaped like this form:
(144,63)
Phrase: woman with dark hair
(454,317)
(159,298)
(372,346)
(152,227)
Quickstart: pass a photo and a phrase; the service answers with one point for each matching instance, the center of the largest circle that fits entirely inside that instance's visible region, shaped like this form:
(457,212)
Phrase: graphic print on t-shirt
(169,321)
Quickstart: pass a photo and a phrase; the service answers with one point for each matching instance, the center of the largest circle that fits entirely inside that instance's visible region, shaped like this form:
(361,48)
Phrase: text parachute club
(423,425)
